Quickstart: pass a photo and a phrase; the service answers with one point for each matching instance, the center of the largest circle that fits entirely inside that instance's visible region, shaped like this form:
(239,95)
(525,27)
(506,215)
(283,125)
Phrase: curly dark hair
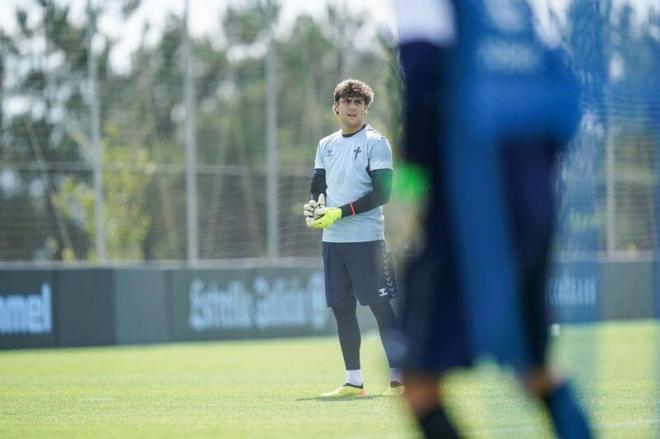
(351,88)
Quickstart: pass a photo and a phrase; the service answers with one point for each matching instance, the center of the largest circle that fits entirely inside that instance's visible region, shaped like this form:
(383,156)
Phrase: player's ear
(335,109)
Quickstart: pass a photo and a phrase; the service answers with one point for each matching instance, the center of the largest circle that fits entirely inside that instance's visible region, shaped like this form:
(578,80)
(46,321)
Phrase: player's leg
(433,322)
(424,397)
(531,197)
(556,394)
(372,275)
(434,330)
(389,336)
(341,301)
(348,331)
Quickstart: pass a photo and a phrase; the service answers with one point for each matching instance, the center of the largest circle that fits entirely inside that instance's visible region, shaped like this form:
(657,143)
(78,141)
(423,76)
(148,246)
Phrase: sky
(204,13)
(205,17)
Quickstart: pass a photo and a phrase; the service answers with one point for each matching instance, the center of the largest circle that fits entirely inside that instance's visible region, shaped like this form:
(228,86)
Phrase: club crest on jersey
(356,151)
(328,152)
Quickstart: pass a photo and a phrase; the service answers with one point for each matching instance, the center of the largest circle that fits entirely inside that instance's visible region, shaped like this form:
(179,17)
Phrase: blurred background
(129,135)
(138,130)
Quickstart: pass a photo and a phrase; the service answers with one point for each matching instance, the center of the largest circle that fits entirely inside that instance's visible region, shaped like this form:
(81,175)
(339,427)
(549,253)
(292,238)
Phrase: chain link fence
(48,160)
(47,194)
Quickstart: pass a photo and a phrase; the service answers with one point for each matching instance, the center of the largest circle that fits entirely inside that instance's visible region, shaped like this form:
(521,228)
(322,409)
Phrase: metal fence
(195,146)
(166,142)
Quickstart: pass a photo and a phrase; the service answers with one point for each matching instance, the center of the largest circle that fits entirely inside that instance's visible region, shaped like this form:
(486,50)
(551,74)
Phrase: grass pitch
(269,389)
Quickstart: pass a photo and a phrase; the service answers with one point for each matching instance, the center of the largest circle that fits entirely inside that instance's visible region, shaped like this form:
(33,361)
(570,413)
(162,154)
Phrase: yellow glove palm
(317,216)
(328,216)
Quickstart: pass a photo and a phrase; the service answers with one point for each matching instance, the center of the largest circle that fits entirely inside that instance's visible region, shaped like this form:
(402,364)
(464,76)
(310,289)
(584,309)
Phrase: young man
(488,109)
(351,182)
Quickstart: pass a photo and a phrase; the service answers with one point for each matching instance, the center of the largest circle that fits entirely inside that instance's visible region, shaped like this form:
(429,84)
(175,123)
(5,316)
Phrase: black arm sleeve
(318,185)
(381,179)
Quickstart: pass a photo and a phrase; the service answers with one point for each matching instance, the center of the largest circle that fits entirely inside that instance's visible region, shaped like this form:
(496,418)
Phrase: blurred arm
(426,34)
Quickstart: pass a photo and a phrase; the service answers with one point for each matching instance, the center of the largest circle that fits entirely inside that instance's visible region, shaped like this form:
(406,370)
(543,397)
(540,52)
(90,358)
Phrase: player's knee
(540,382)
(344,313)
(384,314)
(422,391)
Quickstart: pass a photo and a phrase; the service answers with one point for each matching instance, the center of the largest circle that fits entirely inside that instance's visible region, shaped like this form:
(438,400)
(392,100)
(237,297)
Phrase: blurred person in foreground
(352,180)
(488,108)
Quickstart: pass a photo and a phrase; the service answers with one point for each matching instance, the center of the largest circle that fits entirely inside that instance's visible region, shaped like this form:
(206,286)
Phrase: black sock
(436,425)
(353,385)
(567,416)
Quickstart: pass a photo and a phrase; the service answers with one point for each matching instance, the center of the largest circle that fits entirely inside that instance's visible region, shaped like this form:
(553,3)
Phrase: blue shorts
(358,270)
(435,316)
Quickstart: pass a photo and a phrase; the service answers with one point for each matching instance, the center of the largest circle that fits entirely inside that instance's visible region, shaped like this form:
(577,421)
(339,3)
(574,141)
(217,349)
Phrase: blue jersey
(498,90)
(507,78)
(498,40)
(493,55)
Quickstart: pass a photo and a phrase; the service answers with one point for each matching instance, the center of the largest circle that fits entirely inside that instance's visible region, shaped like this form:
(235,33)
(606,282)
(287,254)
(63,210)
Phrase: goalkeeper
(351,182)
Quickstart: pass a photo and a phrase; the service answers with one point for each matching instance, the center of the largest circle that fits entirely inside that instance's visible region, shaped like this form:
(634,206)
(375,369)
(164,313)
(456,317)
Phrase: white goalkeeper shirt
(347,161)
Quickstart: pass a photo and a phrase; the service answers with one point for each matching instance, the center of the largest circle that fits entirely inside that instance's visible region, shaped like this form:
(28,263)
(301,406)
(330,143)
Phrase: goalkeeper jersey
(348,161)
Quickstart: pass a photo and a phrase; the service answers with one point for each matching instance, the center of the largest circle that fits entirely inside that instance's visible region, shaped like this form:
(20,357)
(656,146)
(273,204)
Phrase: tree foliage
(46,196)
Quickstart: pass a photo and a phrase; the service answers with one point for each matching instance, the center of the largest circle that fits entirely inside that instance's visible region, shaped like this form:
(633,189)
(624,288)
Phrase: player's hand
(311,209)
(308,211)
(325,216)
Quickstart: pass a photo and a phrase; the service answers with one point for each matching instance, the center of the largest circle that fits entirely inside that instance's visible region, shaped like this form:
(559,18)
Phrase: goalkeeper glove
(311,208)
(308,212)
(325,216)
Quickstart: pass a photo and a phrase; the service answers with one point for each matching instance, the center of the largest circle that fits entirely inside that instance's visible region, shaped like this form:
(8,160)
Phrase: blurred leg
(530,183)
(424,399)
(567,416)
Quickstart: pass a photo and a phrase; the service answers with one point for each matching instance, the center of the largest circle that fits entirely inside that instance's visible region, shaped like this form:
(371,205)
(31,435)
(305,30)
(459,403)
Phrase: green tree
(142,130)
(44,61)
(126,221)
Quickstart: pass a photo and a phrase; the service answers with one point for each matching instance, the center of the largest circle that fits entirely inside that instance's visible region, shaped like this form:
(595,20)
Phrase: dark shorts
(435,315)
(358,270)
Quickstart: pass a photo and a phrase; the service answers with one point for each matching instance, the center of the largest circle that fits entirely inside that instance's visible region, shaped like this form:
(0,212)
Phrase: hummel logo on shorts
(382,291)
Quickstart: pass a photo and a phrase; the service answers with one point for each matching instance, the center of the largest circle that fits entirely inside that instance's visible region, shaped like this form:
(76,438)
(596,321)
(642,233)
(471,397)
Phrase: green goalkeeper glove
(324,216)
(330,215)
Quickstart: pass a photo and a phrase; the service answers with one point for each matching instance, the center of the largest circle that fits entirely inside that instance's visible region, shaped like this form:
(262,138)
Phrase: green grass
(268,389)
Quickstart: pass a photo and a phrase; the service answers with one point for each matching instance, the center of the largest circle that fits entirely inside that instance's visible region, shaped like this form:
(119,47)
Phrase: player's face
(351,112)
